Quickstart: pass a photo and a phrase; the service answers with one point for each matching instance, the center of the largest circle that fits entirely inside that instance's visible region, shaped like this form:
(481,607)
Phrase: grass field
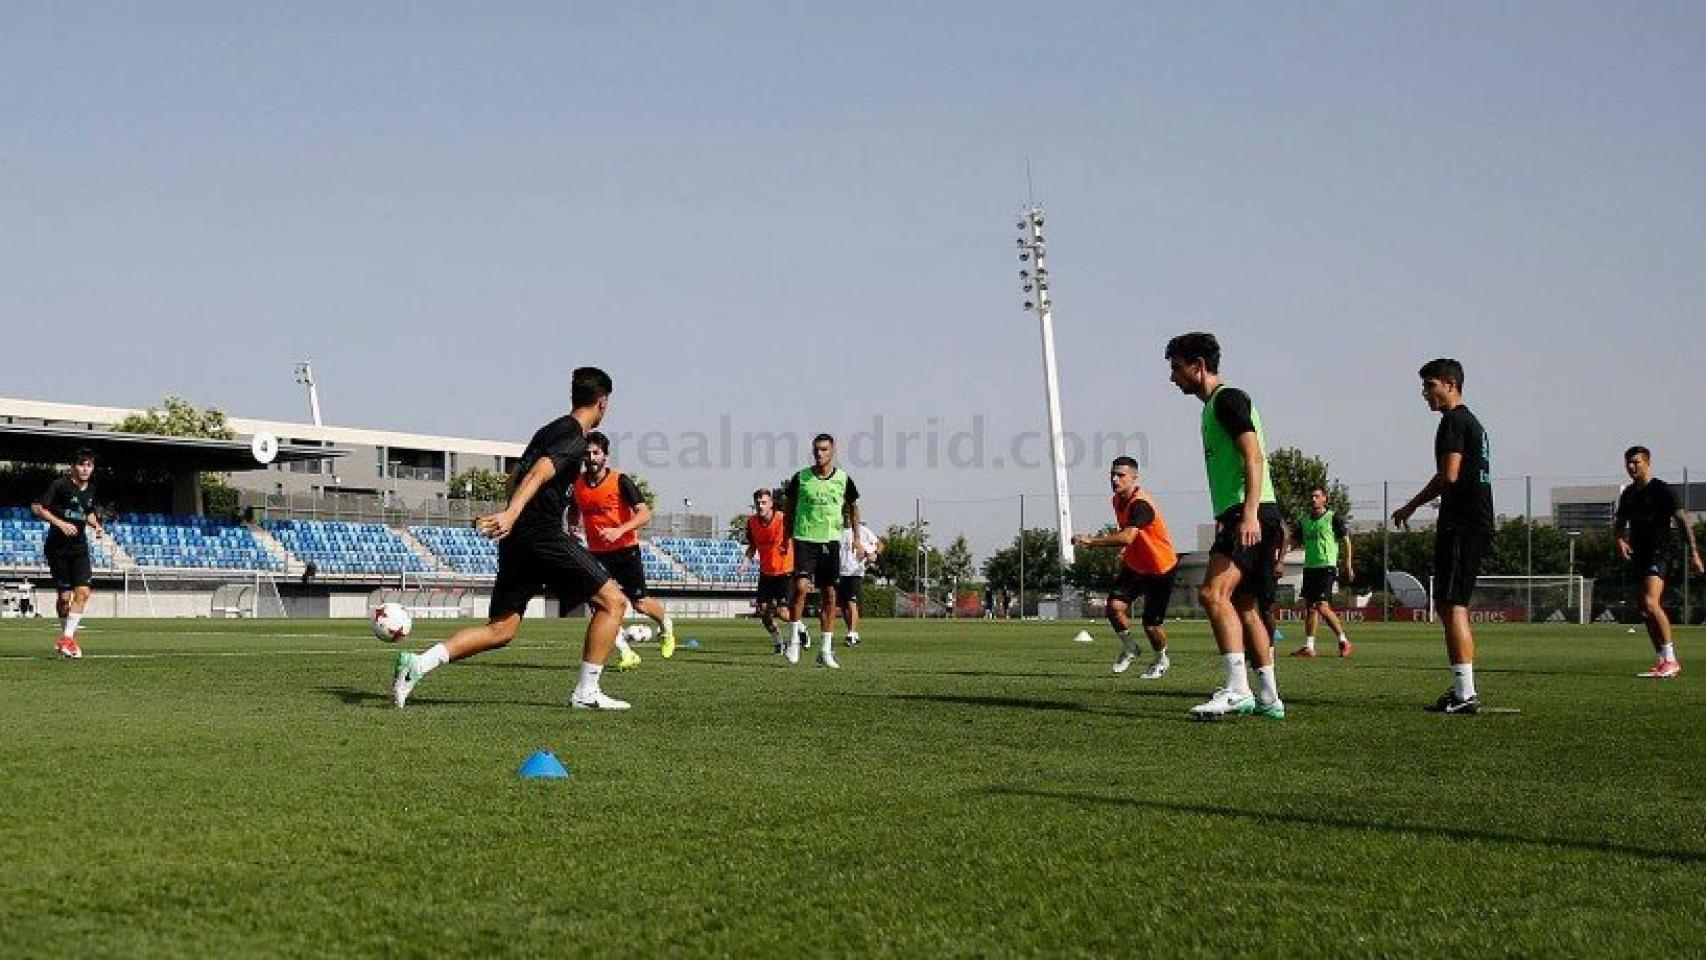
(247,788)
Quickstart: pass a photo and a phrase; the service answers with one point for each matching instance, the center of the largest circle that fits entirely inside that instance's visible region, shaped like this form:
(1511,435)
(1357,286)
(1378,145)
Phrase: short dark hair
(1321,487)
(763,492)
(1124,462)
(1630,453)
(822,437)
(588,386)
(81,454)
(1191,347)
(1445,370)
(599,440)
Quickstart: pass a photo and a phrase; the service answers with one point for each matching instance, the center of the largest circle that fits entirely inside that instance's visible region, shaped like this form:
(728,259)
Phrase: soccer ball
(639,633)
(392,622)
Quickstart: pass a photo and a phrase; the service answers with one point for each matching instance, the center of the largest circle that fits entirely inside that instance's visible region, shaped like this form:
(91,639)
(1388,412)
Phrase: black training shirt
(1467,505)
(1650,513)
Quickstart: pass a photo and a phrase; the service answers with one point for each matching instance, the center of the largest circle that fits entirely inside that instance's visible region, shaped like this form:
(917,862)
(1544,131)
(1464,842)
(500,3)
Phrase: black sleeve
(1232,409)
(630,491)
(1139,516)
(566,454)
(791,493)
(852,491)
(1667,495)
(1341,529)
(1453,436)
(49,496)
(1623,505)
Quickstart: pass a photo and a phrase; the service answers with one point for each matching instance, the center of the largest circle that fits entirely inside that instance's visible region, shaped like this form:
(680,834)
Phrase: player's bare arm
(498,525)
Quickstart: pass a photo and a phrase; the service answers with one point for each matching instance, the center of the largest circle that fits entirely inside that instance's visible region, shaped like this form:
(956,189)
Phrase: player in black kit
(536,552)
(1647,510)
(68,506)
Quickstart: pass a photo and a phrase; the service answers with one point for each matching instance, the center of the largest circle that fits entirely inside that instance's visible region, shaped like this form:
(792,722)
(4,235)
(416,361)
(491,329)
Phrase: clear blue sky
(801,218)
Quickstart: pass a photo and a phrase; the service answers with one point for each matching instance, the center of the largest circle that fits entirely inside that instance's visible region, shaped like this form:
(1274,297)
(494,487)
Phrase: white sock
(587,688)
(1128,646)
(71,623)
(1463,677)
(1309,643)
(796,631)
(1270,685)
(1161,655)
(622,645)
(668,625)
(853,635)
(1237,680)
(828,640)
(1343,638)
(1668,652)
(435,656)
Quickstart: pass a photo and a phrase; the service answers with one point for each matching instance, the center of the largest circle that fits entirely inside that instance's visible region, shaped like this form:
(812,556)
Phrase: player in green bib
(820,499)
(1323,531)
(1249,532)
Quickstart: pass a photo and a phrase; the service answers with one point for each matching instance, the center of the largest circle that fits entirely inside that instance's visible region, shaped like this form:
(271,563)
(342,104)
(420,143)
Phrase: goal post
(1518,598)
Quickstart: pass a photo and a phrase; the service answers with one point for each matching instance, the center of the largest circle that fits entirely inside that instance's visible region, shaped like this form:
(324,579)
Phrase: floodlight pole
(305,376)
(1033,284)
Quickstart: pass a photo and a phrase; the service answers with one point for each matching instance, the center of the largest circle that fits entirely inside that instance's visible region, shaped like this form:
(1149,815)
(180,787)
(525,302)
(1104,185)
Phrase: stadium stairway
(683,575)
(292,566)
(122,560)
(421,550)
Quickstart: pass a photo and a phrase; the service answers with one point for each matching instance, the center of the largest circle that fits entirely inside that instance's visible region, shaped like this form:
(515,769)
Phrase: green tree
(957,565)
(177,417)
(645,490)
(488,485)
(905,556)
(1094,568)
(1042,571)
(1295,473)
(737,526)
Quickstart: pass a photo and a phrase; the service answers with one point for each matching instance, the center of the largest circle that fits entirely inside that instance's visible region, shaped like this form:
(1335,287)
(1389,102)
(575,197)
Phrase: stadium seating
(338,547)
(21,536)
(716,561)
(159,540)
(462,549)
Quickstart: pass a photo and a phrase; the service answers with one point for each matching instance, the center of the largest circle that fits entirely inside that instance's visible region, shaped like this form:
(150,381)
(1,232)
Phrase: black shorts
(1457,561)
(1318,584)
(1156,589)
(627,569)
(773,588)
(847,589)
(819,561)
(1258,565)
(69,566)
(1649,562)
(558,564)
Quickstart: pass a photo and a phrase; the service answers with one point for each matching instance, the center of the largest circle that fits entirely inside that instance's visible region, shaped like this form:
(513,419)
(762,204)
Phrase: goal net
(1537,599)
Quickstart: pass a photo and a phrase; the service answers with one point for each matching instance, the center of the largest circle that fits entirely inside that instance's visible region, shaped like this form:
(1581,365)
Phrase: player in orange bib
(612,512)
(767,542)
(1148,565)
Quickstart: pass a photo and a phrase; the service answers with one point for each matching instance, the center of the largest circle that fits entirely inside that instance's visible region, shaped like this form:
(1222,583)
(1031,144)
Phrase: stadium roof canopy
(21,443)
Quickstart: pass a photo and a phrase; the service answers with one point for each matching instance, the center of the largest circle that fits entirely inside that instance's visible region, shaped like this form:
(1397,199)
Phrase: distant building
(1593,508)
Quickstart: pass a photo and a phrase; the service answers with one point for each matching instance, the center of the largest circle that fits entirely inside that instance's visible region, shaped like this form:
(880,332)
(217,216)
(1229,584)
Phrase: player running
(68,506)
(1463,483)
(612,512)
(1239,580)
(536,552)
(1148,566)
(1646,511)
(860,547)
(819,500)
(767,542)
(1324,533)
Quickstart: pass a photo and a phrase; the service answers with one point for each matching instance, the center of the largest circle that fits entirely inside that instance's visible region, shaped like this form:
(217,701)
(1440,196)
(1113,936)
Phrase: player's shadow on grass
(1049,706)
(992,673)
(1400,668)
(354,697)
(1688,857)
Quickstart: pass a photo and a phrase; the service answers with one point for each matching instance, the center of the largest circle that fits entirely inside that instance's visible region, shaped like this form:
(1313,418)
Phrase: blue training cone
(543,765)
(690,644)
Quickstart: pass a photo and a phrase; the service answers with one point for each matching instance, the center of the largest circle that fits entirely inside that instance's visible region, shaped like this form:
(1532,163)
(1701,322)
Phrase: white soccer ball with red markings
(392,622)
(639,633)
